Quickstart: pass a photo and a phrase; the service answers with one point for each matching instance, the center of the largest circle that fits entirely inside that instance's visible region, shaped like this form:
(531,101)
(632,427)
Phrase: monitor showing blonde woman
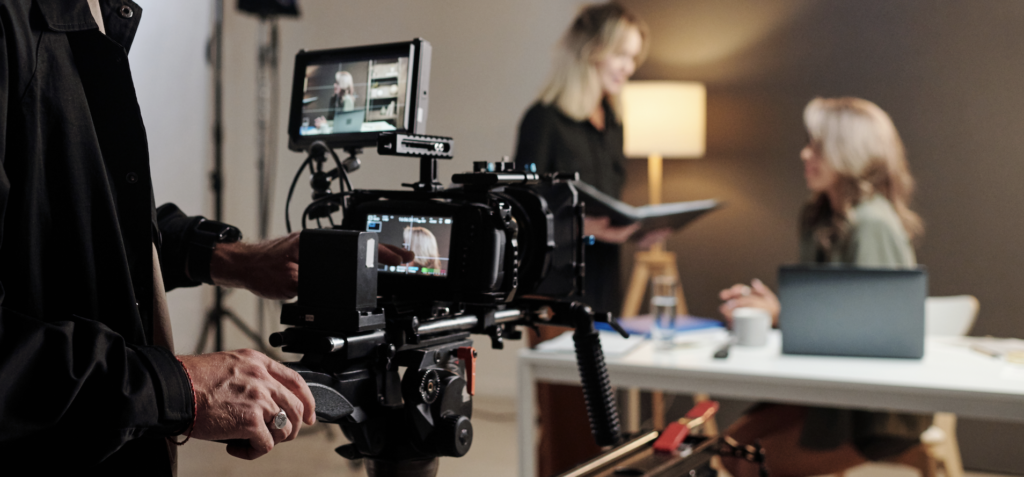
(423,243)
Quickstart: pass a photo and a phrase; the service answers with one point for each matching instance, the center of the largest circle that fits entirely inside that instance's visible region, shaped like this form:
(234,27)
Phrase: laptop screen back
(849,311)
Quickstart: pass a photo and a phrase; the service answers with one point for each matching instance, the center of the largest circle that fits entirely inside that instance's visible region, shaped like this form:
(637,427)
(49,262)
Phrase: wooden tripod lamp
(660,119)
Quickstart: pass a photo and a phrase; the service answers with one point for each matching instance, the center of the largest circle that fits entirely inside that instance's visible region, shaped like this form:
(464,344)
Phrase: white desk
(949,378)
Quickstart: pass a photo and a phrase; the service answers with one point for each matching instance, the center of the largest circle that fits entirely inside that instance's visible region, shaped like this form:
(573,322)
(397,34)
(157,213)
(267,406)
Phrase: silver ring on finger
(280,420)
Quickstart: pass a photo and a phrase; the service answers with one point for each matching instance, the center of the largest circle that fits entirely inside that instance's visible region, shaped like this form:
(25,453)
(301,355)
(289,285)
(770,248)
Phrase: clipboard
(674,215)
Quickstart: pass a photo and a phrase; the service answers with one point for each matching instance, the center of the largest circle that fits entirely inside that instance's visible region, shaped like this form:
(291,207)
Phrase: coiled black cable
(597,388)
(317,148)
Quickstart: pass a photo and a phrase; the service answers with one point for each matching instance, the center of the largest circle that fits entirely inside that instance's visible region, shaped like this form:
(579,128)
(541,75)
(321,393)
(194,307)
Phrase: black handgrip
(597,388)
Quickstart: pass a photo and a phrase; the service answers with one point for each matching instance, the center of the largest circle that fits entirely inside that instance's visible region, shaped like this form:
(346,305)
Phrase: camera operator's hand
(269,269)
(238,394)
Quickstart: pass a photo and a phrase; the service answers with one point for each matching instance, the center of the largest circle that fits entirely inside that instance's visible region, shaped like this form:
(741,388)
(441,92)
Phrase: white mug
(750,326)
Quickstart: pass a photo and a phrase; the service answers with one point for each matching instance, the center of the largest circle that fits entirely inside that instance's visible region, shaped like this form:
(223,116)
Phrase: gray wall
(172,81)
(949,73)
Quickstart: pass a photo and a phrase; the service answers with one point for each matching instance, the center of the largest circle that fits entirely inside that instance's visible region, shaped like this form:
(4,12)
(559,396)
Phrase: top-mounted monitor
(347,96)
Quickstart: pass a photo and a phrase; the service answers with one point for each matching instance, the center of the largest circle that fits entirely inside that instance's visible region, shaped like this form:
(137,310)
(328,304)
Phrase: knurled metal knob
(454,435)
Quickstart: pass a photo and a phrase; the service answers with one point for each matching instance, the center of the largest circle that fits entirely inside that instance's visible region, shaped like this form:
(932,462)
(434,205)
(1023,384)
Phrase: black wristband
(203,238)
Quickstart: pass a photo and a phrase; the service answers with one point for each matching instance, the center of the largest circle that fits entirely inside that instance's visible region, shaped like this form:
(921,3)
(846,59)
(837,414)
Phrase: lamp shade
(666,118)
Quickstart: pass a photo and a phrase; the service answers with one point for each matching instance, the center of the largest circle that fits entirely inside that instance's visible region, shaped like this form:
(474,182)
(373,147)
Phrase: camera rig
(515,257)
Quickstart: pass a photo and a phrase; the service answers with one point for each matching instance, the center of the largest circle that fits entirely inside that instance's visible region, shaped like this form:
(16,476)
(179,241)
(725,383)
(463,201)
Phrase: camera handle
(428,176)
(597,389)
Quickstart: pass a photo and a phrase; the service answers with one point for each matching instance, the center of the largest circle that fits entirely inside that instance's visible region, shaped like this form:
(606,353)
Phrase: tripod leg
(202,338)
(407,468)
(252,335)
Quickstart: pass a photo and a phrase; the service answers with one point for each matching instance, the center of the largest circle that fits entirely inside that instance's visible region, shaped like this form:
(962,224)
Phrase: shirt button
(126,11)
(132,178)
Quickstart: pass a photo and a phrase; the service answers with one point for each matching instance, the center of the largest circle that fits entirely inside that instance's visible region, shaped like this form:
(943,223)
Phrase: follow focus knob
(454,435)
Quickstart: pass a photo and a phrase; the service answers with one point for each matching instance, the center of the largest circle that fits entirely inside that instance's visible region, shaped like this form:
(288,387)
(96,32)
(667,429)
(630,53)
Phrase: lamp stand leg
(647,263)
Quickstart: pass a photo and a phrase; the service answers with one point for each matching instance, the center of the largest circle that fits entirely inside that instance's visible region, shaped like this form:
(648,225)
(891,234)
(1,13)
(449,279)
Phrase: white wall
(172,82)
(490,59)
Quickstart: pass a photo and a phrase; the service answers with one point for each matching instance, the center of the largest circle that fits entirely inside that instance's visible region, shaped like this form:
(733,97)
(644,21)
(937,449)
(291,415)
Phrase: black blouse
(556,142)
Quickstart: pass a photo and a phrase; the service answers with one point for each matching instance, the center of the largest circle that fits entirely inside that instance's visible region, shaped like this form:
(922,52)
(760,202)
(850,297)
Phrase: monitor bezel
(418,52)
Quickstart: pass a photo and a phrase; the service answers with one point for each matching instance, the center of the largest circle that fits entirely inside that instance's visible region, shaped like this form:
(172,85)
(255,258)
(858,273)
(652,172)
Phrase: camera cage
(355,337)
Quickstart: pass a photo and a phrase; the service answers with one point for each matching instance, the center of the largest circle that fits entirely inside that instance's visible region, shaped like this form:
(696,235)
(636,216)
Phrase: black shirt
(83,390)
(557,143)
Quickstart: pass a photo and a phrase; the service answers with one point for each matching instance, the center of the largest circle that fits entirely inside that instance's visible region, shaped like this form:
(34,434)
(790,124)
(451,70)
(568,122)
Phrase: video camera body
(503,247)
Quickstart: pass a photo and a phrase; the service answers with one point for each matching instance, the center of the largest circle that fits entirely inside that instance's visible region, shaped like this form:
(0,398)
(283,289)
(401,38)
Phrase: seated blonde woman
(422,243)
(860,185)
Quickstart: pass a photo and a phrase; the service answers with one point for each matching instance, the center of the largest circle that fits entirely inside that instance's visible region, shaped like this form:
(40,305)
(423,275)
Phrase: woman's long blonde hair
(422,243)
(860,142)
(574,87)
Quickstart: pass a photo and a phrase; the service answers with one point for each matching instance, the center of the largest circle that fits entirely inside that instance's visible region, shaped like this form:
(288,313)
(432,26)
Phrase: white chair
(949,315)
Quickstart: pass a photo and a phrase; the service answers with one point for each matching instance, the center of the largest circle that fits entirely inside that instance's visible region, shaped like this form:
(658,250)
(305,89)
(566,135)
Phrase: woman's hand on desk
(757,295)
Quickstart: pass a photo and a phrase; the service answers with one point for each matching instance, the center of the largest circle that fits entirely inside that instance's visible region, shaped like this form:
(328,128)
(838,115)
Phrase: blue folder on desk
(641,325)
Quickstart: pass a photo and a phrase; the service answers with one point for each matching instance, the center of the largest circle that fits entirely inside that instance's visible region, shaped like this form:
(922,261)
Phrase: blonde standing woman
(858,214)
(574,126)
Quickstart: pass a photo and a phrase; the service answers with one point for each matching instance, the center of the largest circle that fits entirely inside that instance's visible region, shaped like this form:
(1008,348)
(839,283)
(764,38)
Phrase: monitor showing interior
(428,237)
(355,96)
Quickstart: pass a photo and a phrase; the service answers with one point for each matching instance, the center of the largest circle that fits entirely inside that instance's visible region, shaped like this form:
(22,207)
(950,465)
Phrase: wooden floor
(494,454)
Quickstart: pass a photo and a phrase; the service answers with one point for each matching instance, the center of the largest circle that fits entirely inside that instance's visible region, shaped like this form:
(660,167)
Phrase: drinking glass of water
(663,307)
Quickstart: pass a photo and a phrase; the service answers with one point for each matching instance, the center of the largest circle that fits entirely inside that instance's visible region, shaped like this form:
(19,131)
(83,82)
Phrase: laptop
(348,121)
(852,311)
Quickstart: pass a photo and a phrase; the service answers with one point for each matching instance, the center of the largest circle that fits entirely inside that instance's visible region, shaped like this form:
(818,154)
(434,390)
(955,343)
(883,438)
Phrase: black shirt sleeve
(175,228)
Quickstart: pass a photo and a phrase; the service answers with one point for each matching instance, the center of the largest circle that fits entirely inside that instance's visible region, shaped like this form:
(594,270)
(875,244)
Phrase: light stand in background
(266,137)
(267,93)
(659,118)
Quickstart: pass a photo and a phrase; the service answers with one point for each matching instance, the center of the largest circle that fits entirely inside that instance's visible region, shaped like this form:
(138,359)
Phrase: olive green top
(876,239)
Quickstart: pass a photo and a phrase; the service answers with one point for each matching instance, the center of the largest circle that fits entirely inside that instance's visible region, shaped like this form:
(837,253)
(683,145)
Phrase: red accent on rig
(468,355)
(704,409)
(670,439)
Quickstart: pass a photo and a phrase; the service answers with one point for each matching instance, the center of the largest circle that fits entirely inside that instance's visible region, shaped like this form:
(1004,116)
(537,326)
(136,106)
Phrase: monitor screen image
(428,237)
(355,96)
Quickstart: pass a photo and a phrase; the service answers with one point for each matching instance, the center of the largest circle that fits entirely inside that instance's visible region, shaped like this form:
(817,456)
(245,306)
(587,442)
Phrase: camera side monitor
(345,97)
